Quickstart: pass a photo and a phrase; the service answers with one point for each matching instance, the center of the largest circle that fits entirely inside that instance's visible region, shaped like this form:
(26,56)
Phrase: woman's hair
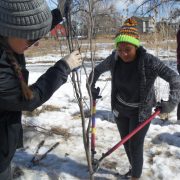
(26,91)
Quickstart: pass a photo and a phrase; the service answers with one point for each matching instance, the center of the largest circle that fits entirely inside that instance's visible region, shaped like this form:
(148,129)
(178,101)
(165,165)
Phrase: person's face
(126,51)
(19,45)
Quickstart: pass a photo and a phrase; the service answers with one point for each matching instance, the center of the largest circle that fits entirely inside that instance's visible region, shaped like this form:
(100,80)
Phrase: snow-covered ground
(68,161)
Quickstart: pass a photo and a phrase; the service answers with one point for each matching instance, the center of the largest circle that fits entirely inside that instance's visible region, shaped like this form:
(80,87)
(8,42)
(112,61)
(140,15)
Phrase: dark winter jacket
(149,68)
(178,47)
(12,103)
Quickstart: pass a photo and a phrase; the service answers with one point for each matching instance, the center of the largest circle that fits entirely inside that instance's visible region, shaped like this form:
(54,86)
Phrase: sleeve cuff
(64,64)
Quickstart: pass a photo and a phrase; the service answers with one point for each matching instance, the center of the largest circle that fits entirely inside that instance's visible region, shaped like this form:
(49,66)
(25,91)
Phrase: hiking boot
(126,176)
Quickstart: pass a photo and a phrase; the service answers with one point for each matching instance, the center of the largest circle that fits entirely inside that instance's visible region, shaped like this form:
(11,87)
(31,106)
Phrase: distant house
(106,24)
(58,31)
(145,24)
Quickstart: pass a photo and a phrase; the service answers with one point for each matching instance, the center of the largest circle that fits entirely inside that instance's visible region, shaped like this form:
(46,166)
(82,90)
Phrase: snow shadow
(171,139)
(105,115)
(55,167)
(161,122)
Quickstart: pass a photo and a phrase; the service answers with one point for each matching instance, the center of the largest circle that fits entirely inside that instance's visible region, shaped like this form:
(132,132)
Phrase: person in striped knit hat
(134,72)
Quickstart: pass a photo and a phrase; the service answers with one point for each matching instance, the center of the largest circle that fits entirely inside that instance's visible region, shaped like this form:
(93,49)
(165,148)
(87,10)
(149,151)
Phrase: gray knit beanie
(27,19)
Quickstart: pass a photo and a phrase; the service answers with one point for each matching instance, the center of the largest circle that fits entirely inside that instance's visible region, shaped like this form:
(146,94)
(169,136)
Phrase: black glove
(57,18)
(166,106)
(95,93)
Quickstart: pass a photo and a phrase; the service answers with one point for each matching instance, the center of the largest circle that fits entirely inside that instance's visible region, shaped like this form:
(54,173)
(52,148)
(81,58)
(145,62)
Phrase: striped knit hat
(128,33)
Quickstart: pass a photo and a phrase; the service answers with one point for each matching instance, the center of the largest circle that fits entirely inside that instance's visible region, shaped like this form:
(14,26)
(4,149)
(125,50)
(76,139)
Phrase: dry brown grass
(53,46)
(107,79)
(162,42)
(61,131)
(77,115)
(164,116)
(110,164)
(44,108)
(46,46)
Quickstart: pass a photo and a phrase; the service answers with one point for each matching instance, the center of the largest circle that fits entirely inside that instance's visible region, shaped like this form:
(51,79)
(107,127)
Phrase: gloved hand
(95,93)
(166,106)
(74,60)
(63,6)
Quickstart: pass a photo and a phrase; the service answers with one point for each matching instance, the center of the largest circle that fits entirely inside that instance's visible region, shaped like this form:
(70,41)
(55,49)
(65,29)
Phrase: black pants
(134,147)
(6,174)
(178,112)
(178,108)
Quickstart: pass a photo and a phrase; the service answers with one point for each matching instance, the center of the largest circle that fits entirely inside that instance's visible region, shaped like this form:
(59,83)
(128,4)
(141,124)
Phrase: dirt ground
(54,46)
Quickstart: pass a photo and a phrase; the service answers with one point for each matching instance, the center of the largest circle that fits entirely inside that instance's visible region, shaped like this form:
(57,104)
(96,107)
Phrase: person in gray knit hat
(23,22)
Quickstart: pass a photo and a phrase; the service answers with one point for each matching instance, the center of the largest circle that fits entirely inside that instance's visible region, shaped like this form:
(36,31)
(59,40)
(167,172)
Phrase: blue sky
(52,3)
(123,5)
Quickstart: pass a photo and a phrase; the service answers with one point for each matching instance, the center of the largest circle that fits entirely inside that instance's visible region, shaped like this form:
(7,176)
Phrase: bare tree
(175,14)
(150,5)
(75,7)
(99,8)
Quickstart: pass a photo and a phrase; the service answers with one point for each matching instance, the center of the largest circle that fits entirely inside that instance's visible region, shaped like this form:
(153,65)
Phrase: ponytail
(26,91)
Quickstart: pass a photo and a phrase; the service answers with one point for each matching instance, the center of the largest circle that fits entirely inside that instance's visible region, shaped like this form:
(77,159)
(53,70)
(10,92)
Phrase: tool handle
(126,138)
